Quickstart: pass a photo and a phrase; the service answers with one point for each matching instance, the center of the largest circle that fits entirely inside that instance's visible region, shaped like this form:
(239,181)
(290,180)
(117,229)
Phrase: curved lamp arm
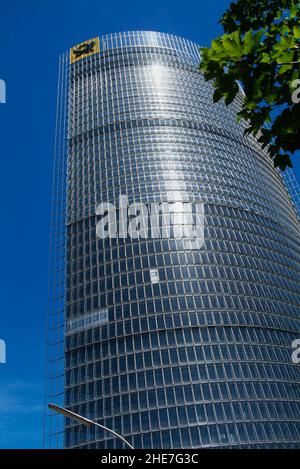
(85,421)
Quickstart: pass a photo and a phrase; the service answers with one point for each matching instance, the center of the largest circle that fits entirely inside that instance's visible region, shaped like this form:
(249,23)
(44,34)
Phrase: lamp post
(85,421)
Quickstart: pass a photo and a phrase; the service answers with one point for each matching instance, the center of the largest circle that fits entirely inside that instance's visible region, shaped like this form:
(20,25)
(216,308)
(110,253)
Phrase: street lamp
(85,421)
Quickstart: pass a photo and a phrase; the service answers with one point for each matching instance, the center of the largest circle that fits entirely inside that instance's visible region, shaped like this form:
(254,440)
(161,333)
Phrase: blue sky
(32,35)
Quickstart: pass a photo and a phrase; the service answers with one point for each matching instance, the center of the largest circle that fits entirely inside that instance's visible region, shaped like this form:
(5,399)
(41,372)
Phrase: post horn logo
(84,49)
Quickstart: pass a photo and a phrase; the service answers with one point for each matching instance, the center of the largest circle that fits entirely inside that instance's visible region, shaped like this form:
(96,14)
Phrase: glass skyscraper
(171,345)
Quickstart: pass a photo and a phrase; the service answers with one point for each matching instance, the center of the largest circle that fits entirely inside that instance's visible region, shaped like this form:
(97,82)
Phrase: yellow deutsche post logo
(84,49)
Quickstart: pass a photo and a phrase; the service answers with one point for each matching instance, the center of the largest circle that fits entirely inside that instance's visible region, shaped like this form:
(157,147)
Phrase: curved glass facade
(202,357)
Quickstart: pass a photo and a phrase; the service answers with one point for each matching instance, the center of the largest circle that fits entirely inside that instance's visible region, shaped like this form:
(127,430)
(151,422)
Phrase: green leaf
(284,68)
(250,104)
(285,58)
(230,96)
(266,59)
(217,45)
(231,46)
(236,36)
(296,31)
(294,11)
(282,161)
(248,43)
(217,96)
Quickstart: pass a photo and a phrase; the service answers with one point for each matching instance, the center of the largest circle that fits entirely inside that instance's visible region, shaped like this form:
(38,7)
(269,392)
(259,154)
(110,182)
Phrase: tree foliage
(260,48)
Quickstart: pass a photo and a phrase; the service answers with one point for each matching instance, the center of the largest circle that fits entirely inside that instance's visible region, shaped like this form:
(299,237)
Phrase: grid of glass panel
(293,188)
(203,357)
